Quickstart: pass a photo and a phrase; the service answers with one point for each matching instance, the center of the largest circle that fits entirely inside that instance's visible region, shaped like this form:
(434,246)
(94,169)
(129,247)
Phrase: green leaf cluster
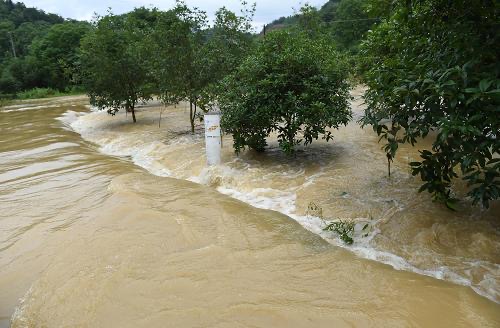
(344,229)
(37,50)
(115,73)
(433,67)
(290,84)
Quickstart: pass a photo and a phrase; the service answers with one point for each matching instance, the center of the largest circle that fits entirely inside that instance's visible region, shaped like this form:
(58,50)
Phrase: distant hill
(19,25)
(346,22)
(327,13)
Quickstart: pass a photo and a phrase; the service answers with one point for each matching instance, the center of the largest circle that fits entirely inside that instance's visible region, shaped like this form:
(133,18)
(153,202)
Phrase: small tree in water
(292,84)
(113,72)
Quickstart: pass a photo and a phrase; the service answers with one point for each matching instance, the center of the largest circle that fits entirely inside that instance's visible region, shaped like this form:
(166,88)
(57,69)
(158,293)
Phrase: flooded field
(108,223)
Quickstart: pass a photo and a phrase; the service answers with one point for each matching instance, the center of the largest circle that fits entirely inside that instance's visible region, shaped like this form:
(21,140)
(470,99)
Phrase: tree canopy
(291,84)
(114,73)
(433,66)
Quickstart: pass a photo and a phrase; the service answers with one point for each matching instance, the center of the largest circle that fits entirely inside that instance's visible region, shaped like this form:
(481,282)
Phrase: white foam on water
(68,118)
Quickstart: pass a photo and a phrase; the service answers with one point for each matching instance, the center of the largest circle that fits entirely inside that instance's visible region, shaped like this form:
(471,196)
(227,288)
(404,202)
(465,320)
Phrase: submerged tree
(433,66)
(114,71)
(290,84)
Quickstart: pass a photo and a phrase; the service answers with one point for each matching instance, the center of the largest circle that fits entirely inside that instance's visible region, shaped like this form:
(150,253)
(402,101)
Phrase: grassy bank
(38,93)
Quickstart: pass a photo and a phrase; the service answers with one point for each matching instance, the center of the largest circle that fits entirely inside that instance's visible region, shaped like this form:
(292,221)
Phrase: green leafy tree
(310,21)
(292,85)
(176,43)
(114,71)
(228,43)
(57,53)
(26,33)
(433,66)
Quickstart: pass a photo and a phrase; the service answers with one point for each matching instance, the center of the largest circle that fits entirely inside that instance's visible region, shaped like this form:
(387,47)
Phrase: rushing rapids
(87,238)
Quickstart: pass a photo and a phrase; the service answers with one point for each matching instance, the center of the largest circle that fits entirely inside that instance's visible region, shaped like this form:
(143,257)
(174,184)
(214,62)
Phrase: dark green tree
(190,57)
(292,85)
(433,66)
(228,43)
(176,43)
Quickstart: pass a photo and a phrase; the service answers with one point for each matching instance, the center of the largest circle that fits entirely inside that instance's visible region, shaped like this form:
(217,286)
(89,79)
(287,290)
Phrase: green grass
(46,93)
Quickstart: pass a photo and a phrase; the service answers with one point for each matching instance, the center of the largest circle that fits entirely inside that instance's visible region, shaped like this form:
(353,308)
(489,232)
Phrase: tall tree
(190,57)
(352,21)
(176,43)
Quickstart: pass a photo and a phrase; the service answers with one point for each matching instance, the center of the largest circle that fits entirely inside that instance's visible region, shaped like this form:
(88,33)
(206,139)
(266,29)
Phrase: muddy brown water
(104,223)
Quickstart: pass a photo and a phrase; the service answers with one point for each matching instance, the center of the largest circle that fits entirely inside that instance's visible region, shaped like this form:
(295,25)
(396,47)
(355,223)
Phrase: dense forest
(37,49)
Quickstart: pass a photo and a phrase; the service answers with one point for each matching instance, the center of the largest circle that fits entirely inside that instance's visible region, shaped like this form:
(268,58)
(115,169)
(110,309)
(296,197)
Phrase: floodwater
(106,223)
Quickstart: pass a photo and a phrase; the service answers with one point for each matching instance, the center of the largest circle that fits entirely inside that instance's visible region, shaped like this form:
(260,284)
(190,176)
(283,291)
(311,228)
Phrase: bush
(38,93)
(291,84)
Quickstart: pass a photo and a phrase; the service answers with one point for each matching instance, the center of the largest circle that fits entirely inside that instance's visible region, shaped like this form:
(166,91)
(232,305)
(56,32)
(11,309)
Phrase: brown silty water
(99,227)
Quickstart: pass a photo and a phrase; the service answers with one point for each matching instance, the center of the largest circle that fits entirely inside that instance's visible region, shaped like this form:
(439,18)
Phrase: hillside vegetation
(37,50)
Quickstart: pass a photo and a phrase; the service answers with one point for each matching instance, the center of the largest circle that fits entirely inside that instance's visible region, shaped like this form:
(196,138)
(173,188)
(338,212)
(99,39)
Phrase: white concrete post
(213,143)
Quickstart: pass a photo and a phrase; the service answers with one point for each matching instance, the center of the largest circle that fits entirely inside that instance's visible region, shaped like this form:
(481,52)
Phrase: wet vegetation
(430,68)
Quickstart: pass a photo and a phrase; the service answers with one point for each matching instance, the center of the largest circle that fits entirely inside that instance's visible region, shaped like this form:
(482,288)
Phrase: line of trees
(174,55)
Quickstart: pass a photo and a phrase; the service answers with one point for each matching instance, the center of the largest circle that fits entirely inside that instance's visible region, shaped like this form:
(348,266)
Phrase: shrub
(291,84)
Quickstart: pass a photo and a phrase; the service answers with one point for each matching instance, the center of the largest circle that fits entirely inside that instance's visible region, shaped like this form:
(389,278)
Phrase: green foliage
(189,57)
(57,54)
(24,24)
(344,229)
(344,22)
(433,66)
(113,70)
(37,50)
(290,84)
(352,21)
(228,43)
(38,93)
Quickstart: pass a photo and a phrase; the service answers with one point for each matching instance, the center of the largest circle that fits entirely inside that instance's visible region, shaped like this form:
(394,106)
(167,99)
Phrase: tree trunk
(389,159)
(291,139)
(133,113)
(191,115)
